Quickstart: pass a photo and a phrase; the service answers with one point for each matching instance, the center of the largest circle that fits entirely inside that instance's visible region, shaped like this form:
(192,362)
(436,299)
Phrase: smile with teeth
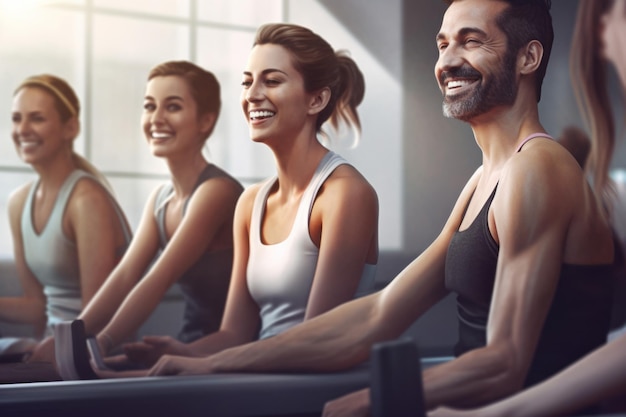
(261,114)
(29,144)
(161,135)
(454,84)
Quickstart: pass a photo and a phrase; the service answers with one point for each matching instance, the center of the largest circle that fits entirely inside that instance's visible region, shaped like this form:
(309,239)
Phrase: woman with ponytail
(68,230)
(305,240)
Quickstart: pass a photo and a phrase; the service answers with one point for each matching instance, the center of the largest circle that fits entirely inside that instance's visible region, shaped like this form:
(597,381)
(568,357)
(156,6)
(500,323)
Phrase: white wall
(379,154)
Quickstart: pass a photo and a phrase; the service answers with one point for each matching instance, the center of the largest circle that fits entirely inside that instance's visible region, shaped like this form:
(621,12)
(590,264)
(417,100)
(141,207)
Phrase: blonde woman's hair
(68,106)
(589,76)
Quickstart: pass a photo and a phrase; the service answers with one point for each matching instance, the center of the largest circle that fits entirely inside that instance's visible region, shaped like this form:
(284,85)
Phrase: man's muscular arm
(531,214)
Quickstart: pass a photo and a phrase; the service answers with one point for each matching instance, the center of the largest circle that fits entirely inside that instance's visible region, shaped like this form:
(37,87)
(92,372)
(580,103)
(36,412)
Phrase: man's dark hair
(524,21)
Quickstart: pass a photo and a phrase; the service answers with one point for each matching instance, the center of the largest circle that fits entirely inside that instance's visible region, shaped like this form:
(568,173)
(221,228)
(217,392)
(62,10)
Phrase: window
(105,49)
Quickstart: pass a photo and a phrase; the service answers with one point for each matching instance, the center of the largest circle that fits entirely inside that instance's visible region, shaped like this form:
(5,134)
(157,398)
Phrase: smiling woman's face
(273,98)
(38,132)
(170,117)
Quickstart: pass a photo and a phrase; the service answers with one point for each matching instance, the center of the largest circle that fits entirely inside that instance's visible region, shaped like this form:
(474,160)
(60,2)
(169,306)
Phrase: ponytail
(350,92)
(83,164)
(321,68)
(589,77)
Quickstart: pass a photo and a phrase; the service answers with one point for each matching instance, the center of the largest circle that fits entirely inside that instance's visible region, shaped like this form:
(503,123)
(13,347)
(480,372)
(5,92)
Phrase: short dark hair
(524,21)
(204,87)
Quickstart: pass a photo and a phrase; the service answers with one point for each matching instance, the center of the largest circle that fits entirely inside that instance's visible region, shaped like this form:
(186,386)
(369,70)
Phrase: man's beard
(499,90)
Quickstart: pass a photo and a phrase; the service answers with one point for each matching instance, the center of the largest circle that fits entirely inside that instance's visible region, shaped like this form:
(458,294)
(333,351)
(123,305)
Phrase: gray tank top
(205,284)
(53,258)
(280,275)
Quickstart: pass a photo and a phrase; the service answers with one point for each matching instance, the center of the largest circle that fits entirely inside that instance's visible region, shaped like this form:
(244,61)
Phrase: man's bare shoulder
(544,188)
(544,166)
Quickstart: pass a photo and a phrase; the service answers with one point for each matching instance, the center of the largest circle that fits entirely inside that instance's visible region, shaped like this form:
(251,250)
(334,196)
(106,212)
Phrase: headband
(53,89)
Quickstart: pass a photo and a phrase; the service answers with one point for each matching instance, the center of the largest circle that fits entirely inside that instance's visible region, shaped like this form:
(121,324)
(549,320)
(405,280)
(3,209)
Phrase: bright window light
(22,6)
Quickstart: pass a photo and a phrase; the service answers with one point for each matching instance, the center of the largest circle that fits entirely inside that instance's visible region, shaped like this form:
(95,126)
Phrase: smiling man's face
(475,69)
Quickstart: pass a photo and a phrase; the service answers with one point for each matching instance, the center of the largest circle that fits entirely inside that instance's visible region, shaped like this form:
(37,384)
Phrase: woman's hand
(148,351)
(43,352)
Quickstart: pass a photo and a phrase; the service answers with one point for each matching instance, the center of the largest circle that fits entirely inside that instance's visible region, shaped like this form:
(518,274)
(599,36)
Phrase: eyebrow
(168,98)
(266,71)
(464,32)
(28,113)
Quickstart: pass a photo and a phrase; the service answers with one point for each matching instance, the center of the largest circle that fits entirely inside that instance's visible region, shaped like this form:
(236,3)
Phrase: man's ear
(319,100)
(530,57)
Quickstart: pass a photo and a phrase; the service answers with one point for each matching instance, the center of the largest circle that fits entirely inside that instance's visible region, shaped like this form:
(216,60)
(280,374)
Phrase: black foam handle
(396,380)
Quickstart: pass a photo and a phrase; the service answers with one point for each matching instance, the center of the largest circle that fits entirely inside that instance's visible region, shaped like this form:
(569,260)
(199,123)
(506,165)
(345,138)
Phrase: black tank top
(577,322)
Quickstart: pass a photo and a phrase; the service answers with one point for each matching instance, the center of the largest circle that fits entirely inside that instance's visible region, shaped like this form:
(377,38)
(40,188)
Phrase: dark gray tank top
(205,284)
(577,322)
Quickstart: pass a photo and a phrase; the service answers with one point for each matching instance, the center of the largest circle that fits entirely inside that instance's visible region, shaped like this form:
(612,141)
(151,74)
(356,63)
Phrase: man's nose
(449,58)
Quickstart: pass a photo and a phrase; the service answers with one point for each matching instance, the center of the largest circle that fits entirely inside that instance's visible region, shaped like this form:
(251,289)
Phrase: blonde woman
(68,231)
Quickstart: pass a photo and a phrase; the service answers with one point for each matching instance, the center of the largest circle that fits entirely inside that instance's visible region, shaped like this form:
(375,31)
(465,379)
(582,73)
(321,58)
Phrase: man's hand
(181,365)
(148,351)
(356,404)
(450,412)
